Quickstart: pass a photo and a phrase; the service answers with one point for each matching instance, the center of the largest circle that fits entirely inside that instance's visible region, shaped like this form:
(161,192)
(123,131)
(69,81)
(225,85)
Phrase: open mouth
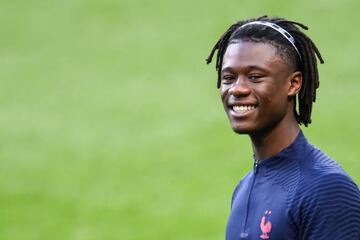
(243,108)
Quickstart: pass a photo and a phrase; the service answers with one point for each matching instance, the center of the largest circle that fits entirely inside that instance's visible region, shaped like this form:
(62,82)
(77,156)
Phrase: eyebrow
(250,67)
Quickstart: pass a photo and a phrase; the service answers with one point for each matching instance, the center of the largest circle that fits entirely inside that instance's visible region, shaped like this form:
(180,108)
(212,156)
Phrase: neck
(271,142)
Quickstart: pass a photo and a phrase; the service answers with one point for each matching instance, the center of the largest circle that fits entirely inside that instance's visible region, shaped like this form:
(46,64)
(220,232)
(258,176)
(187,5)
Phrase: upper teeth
(243,108)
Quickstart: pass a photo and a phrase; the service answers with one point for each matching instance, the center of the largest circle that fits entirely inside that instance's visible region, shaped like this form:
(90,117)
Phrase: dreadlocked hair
(305,60)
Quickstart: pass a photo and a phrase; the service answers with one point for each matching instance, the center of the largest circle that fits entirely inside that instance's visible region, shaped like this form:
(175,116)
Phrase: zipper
(244,234)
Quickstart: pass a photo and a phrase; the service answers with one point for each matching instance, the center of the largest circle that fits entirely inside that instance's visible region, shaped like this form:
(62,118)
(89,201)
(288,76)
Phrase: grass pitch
(111,124)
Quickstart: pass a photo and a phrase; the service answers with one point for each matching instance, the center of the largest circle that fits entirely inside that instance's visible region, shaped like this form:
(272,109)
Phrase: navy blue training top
(300,193)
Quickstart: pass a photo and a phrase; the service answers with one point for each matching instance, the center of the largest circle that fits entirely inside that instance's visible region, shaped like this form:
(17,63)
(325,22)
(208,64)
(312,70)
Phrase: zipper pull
(256,166)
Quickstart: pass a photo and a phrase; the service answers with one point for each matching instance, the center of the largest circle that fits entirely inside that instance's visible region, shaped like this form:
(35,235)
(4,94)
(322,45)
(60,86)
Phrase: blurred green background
(111,125)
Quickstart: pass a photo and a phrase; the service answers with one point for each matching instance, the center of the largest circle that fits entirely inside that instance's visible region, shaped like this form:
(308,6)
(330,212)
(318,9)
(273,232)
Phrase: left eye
(254,77)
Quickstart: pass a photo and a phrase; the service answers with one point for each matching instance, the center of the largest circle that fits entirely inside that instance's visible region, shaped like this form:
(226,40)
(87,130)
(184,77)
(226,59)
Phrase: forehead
(246,53)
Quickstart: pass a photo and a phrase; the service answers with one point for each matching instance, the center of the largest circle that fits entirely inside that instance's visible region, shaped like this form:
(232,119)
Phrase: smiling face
(257,87)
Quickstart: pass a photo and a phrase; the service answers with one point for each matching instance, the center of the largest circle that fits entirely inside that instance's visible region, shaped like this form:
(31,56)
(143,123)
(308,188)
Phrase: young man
(266,67)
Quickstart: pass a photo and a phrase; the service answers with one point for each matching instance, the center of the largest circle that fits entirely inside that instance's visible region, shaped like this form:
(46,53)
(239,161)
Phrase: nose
(239,88)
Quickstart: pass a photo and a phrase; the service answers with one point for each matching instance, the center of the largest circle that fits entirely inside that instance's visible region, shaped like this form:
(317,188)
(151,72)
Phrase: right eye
(227,79)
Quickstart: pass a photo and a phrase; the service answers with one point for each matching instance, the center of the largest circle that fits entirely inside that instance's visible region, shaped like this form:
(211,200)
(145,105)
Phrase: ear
(295,83)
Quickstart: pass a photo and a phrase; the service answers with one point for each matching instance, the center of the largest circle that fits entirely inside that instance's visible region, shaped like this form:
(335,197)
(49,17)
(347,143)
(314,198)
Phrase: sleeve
(329,208)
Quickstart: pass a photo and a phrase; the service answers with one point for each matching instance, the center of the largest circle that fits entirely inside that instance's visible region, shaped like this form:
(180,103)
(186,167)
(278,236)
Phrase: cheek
(272,94)
(273,105)
(265,93)
(223,92)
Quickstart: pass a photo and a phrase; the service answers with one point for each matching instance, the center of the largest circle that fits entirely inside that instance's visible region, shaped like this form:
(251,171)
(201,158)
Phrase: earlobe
(295,83)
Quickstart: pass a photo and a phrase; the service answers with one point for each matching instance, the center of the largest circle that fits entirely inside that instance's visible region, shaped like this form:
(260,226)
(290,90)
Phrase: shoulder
(244,182)
(323,181)
(317,167)
(326,186)
(328,207)
(326,204)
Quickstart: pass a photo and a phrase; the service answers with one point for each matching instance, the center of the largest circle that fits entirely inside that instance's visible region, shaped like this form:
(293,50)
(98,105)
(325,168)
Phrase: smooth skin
(256,74)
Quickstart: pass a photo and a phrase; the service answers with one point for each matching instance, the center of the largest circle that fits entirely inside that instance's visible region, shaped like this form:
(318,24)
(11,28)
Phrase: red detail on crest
(265,226)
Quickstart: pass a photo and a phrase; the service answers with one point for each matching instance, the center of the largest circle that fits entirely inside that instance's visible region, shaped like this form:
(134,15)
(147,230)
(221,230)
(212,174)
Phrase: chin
(242,130)
(243,126)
